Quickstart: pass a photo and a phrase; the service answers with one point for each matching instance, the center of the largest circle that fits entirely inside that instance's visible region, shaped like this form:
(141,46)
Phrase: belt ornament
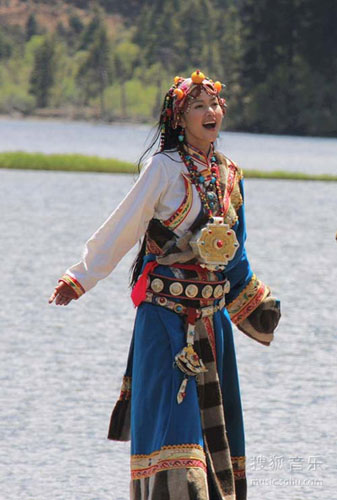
(185,289)
(161,289)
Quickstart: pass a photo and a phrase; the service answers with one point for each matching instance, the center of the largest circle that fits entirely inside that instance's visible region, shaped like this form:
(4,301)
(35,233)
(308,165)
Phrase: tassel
(138,293)
(187,360)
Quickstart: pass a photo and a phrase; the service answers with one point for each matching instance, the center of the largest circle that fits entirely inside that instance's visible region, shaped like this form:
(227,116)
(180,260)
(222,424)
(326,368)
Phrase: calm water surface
(127,142)
(60,368)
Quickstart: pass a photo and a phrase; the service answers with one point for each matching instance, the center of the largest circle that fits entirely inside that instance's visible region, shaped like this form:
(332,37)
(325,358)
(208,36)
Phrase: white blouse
(158,193)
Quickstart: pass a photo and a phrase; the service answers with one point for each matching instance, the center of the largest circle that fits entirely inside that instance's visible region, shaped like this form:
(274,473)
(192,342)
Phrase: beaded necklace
(209,192)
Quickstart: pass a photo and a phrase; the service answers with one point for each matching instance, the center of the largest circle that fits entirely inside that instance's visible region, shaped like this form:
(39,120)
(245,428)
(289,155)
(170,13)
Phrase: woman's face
(202,121)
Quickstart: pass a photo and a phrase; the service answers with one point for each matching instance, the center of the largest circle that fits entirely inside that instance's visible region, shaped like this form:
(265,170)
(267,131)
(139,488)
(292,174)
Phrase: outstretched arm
(120,232)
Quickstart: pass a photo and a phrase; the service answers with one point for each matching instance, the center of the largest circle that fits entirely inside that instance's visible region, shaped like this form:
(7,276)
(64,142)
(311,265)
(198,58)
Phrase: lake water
(127,142)
(60,368)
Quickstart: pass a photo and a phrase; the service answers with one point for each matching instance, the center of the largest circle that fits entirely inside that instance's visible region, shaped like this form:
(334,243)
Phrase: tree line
(278,60)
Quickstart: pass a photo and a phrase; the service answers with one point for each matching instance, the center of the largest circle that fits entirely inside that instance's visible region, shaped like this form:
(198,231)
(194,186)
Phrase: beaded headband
(182,92)
(185,89)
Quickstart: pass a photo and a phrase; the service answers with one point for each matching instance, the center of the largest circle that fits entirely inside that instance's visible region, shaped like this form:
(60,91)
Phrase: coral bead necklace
(209,188)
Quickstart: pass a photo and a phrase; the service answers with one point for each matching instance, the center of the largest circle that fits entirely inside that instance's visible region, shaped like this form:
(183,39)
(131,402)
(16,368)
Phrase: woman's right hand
(63,294)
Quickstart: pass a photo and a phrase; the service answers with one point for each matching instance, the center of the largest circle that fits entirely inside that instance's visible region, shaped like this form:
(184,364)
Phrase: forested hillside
(113,59)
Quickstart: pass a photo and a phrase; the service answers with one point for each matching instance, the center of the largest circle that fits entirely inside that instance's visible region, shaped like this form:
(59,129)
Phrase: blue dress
(169,456)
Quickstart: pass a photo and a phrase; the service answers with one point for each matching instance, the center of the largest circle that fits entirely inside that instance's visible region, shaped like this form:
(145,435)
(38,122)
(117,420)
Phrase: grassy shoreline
(82,163)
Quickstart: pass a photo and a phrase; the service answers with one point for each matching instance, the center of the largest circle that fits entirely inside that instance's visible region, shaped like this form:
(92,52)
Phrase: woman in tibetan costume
(180,397)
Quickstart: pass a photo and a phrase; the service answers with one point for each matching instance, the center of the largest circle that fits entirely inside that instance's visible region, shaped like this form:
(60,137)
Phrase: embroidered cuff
(261,323)
(74,284)
(248,300)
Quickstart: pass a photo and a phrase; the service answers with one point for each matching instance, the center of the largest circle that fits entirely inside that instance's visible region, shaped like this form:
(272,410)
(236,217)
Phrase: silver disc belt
(187,289)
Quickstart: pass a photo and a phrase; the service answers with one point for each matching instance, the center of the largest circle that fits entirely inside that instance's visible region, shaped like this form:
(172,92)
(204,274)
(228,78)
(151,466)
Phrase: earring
(181,136)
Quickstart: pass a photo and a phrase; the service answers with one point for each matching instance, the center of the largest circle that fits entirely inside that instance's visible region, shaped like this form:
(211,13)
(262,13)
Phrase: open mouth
(210,125)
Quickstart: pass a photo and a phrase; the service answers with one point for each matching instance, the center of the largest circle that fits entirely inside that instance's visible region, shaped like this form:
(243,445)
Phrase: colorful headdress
(178,98)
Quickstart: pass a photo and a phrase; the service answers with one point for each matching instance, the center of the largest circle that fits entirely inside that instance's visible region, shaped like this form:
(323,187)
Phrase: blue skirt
(156,418)
(167,439)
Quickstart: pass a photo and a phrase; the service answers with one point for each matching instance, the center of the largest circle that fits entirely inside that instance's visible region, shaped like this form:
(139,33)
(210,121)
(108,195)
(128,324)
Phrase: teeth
(210,125)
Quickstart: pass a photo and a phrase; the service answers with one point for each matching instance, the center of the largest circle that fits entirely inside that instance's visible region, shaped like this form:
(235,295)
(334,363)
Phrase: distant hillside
(114,59)
(50,14)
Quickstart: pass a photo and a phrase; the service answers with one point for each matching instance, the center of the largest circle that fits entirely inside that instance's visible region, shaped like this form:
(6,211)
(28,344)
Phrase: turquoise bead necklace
(209,190)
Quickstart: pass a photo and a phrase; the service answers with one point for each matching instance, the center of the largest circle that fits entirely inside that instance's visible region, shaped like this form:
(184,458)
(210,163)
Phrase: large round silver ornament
(207,291)
(176,288)
(157,285)
(218,291)
(191,291)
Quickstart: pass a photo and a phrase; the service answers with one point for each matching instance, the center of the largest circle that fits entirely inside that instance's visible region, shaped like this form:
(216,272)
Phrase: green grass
(65,162)
(81,163)
(281,174)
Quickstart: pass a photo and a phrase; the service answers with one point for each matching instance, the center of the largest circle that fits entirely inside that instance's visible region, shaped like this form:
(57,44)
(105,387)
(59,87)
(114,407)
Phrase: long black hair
(168,135)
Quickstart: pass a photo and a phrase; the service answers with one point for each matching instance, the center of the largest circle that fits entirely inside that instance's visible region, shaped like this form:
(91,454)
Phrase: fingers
(54,294)
(62,295)
(52,297)
(60,299)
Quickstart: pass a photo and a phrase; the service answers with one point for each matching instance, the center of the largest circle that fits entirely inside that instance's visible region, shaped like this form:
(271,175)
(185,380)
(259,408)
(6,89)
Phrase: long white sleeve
(125,226)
